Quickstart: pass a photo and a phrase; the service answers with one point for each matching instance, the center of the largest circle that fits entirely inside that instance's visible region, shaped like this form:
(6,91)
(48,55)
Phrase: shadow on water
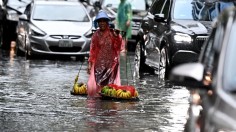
(35,96)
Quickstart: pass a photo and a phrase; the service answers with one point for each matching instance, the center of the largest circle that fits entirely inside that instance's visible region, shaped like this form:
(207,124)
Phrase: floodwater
(35,96)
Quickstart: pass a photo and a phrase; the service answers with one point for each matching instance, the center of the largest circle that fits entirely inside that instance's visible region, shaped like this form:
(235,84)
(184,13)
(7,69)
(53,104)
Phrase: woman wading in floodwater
(104,58)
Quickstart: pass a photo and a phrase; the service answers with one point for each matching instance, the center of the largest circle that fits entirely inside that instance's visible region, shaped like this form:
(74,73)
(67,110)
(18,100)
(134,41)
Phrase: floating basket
(79,89)
(119,92)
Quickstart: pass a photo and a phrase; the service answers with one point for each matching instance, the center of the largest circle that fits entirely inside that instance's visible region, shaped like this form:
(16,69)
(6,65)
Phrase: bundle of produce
(120,92)
(79,89)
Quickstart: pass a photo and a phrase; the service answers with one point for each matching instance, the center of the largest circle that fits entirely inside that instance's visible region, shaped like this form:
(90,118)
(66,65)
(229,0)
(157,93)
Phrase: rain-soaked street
(35,96)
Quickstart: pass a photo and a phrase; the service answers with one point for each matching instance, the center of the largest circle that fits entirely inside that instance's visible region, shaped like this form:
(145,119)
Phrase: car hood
(192,27)
(64,28)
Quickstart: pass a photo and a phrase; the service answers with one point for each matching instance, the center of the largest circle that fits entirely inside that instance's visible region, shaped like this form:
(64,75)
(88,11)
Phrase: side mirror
(159,18)
(188,74)
(23,17)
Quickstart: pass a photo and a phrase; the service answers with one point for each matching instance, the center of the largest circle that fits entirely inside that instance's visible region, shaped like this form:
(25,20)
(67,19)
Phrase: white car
(54,28)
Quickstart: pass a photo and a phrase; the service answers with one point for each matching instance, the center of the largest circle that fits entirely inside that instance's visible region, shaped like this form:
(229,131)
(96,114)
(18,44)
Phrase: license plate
(65,43)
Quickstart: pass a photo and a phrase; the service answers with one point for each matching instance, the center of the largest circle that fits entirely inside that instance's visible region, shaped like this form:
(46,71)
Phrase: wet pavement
(35,96)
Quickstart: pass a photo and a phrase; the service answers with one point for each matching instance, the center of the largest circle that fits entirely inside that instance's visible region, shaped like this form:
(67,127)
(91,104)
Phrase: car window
(27,10)
(183,9)
(18,5)
(229,77)
(219,7)
(157,7)
(165,9)
(60,13)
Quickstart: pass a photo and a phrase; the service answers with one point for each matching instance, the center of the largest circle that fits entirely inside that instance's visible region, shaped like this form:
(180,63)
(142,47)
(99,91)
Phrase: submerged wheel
(28,54)
(18,51)
(163,71)
(138,60)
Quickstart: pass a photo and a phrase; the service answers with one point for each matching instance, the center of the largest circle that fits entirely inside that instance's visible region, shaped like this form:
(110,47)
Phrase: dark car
(53,28)
(172,33)
(11,11)
(212,80)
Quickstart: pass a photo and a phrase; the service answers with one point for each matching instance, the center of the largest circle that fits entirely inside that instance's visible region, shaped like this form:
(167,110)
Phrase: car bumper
(50,46)
(184,56)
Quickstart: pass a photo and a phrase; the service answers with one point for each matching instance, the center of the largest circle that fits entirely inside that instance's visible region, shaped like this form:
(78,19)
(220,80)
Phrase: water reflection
(35,96)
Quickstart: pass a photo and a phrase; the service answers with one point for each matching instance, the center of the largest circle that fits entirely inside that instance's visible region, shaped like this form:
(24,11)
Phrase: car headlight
(89,34)
(34,31)
(13,16)
(180,37)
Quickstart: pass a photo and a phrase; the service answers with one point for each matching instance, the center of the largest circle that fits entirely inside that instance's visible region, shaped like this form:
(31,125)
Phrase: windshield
(229,79)
(197,10)
(60,13)
(18,5)
(136,4)
(183,9)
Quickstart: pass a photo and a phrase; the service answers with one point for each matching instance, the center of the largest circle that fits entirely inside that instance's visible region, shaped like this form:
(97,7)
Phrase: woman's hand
(128,23)
(116,32)
(89,68)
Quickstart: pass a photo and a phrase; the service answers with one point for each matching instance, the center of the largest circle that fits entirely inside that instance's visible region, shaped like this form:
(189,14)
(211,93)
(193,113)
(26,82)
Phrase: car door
(152,46)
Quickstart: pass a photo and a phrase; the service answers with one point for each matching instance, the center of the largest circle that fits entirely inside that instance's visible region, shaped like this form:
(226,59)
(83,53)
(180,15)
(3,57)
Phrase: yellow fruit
(118,93)
(76,89)
(123,94)
(79,89)
(136,93)
(83,89)
(113,92)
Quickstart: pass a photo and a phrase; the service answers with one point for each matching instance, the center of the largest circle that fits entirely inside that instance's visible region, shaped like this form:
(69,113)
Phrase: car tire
(18,51)
(163,68)
(28,55)
(139,60)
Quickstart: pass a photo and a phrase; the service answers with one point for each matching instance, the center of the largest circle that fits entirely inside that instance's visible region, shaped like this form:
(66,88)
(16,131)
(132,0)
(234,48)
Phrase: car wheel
(139,59)
(28,55)
(163,64)
(18,51)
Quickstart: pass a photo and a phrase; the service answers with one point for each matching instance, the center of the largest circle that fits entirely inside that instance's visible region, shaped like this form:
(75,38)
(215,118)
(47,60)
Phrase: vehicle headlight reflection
(13,16)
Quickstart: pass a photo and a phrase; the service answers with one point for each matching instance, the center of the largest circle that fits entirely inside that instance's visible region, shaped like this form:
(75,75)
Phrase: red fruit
(114,86)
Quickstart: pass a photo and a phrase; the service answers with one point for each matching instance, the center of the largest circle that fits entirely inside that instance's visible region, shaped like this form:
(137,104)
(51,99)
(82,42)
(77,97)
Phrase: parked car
(54,28)
(212,79)
(10,11)
(172,33)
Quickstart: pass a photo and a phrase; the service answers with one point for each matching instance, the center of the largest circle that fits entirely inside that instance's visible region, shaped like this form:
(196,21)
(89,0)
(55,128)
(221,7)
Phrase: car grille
(200,41)
(64,49)
(65,36)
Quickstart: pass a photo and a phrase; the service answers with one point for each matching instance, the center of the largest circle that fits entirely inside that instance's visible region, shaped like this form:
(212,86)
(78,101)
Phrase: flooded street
(35,96)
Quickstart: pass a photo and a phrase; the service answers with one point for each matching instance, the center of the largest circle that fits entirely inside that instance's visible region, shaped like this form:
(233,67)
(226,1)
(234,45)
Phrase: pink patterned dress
(105,57)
